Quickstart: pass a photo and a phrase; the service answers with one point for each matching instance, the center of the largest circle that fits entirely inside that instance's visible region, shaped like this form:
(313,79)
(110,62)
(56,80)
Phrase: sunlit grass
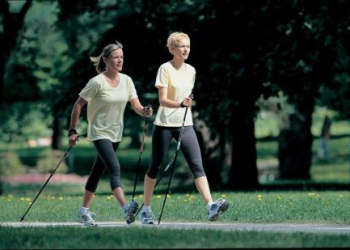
(292,207)
(245,207)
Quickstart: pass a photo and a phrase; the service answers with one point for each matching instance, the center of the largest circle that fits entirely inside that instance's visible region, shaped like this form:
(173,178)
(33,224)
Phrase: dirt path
(274,227)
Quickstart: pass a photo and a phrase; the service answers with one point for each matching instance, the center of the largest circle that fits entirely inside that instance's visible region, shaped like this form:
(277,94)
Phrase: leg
(202,186)
(84,215)
(192,153)
(161,138)
(107,153)
(88,197)
(119,195)
(149,184)
(91,185)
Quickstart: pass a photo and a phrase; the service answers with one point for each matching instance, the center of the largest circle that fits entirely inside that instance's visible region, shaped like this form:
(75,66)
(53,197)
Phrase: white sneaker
(86,218)
(218,207)
(146,217)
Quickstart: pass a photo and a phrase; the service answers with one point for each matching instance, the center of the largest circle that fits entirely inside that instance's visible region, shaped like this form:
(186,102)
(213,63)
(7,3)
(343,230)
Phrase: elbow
(162,103)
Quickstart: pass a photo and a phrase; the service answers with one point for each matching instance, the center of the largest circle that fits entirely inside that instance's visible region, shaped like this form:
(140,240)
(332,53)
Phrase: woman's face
(115,60)
(182,50)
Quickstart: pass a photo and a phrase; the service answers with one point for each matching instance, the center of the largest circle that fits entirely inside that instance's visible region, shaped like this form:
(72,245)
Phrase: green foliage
(10,164)
(23,121)
(298,51)
(49,159)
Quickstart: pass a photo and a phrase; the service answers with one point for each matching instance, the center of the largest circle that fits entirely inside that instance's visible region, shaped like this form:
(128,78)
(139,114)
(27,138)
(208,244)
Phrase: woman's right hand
(73,139)
(187,102)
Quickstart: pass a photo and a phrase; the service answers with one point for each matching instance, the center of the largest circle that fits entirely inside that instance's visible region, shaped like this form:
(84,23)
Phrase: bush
(48,161)
(10,164)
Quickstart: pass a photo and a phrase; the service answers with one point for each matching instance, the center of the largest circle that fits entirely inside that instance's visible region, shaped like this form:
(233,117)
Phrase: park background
(271,106)
(271,113)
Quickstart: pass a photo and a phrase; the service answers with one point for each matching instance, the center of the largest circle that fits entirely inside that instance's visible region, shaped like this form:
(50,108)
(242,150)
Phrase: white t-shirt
(180,85)
(106,106)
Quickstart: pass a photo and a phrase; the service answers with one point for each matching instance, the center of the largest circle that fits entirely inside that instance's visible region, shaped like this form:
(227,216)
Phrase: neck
(111,75)
(178,64)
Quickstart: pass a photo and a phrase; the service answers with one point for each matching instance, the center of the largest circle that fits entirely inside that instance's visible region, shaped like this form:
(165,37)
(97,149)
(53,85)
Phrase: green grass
(251,207)
(291,207)
(154,238)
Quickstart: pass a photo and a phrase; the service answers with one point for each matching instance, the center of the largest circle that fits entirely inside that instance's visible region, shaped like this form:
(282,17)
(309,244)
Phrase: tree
(11,23)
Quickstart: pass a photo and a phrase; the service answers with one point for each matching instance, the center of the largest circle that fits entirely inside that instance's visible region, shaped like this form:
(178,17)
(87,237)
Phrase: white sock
(125,206)
(209,205)
(146,208)
(83,210)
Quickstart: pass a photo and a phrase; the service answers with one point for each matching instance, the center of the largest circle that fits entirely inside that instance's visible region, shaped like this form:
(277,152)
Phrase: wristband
(72,131)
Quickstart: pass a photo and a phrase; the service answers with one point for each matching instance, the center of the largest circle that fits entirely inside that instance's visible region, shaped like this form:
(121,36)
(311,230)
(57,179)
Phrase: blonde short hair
(174,39)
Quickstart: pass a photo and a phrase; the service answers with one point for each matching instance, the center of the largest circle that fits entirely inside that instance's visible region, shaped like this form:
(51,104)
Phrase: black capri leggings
(161,139)
(106,159)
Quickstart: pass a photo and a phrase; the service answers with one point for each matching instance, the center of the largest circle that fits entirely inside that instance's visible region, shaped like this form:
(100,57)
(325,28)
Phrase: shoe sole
(222,209)
(130,219)
(90,225)
(86,224)
(147,223)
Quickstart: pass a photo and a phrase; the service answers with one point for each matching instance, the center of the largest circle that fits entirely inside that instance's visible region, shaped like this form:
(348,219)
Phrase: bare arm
(79,104)
(165,102)
(139,109)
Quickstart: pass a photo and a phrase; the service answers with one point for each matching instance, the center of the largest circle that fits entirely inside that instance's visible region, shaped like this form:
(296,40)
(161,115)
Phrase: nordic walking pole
(141,151)
(64,156)
(172,163)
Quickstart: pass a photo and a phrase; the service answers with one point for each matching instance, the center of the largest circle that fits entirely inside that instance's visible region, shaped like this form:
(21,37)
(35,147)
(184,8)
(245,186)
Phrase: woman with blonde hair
(175,81)
(106,96)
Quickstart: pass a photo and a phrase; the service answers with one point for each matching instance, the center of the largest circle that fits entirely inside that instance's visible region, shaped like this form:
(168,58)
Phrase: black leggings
(161,139)
(106,159)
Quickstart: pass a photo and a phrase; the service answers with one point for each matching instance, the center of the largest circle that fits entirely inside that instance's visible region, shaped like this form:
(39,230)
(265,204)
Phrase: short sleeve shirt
(180,85)
(106,106)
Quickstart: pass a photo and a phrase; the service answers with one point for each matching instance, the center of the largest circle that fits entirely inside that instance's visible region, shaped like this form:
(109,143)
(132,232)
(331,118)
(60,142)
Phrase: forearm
(74,119)
(140,109)
(169,103)
(76,114)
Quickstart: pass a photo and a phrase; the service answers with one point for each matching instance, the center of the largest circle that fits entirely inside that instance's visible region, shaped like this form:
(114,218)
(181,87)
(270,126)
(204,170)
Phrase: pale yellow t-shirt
(180,85)
(106,106)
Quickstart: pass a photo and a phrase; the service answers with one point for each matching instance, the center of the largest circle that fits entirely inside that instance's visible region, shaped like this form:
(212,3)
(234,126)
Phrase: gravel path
(274,227)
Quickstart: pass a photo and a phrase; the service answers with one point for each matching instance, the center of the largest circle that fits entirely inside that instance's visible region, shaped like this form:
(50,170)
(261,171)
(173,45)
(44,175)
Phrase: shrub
(48,161)
(10,164)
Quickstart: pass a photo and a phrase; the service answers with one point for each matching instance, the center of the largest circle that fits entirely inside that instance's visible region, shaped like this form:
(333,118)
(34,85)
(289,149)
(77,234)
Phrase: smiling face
(115,60)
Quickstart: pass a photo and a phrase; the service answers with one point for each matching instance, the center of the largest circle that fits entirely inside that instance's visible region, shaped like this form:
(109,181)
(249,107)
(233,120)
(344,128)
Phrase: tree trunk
(294,149)
(216,154)
(244,171)
(11,24)
(57,129)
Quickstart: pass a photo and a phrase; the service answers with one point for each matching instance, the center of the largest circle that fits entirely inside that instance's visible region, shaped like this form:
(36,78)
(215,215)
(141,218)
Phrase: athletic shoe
(130,211)
(86,218)
(146,217)
(218,207)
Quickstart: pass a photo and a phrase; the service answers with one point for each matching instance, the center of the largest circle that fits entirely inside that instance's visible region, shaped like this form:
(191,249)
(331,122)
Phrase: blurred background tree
(243,53)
